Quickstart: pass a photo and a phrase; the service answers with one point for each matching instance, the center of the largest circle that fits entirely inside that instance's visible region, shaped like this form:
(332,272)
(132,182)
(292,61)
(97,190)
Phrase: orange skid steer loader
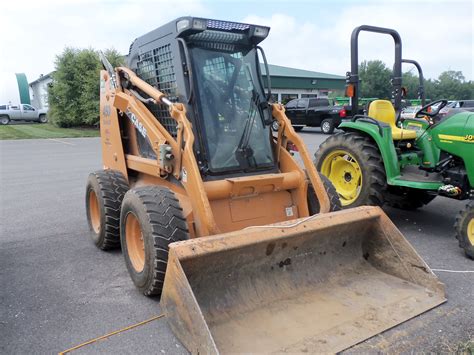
(214,214)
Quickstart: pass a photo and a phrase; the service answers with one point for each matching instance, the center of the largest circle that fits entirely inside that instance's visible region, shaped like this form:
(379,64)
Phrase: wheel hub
(135,243)
(345,173)
(347,176)
(94,211)
(470,231)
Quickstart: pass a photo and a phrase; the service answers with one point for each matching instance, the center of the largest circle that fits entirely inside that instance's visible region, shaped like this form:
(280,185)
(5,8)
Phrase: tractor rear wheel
(334,201)
(104,193)
(464,227)
(406,198)
(353,164)
(150,220)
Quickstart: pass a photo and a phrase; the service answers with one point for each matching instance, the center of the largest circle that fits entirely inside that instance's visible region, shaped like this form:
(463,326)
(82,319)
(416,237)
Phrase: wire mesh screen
(156,68)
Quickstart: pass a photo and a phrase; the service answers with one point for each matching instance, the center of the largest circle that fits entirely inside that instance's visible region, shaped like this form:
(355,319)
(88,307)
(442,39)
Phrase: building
(290,83)
(39,91)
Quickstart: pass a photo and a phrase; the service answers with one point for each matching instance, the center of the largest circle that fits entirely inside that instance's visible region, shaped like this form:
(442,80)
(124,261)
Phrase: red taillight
(342,113)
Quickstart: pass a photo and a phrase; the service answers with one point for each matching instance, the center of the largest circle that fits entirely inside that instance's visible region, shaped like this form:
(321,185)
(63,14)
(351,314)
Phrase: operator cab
(212,67)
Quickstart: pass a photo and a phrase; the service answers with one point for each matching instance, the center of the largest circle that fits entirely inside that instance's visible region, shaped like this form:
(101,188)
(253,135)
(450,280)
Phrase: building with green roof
(291,83)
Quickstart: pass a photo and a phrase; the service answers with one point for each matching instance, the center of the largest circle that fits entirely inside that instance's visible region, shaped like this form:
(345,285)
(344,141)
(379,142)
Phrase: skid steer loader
(214,214)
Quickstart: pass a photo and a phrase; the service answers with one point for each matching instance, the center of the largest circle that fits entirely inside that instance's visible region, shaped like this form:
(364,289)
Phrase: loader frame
(120,106)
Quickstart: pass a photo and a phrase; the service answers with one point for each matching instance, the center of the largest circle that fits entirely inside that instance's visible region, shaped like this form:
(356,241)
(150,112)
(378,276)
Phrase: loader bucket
(320,284)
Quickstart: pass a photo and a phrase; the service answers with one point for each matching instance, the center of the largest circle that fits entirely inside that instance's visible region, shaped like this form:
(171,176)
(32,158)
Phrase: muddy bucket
(315,285)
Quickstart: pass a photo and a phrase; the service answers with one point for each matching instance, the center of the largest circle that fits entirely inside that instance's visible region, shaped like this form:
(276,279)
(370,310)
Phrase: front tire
(104,193)
(43,119)
(464,227)
(150,220)
(353,164)
(327,126)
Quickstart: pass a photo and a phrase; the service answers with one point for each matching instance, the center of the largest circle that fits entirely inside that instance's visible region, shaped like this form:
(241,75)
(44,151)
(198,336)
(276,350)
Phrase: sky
(305,34)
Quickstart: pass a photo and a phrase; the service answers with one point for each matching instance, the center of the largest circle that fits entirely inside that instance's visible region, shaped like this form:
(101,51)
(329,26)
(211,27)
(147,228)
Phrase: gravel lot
(58,290)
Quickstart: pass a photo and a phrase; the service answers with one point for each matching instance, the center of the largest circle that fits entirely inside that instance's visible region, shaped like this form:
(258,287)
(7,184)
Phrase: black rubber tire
(327,126)
(334,202)
(406,198)
(4,120)
(298,128)
(275,126)
(161,222)
(109,187)
(460,226)
(43,119)
(366,152)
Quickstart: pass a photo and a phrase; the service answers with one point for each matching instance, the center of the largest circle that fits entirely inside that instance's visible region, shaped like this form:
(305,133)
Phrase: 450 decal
(136,123)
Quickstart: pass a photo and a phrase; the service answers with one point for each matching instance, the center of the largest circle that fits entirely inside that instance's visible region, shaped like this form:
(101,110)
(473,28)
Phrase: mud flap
(314,285)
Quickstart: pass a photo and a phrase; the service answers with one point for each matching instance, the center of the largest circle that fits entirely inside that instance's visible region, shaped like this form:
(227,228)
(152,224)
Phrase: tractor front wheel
(150,220)
(464,228)
(353,164)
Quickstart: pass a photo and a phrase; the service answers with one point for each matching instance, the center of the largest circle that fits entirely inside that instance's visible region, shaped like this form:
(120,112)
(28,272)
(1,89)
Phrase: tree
(375,79)
(74,93)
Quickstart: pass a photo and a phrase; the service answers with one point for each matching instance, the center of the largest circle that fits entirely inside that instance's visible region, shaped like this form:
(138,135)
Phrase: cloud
(34,32)
(310,35)
(438,35)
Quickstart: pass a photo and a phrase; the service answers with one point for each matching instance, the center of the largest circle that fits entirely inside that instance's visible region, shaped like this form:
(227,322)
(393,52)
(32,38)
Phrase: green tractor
(380,159)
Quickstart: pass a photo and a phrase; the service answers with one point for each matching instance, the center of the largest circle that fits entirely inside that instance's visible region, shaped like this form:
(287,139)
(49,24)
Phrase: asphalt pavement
(57,290)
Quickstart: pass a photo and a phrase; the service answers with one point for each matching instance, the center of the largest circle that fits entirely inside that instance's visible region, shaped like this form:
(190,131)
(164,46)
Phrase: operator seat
(383,111)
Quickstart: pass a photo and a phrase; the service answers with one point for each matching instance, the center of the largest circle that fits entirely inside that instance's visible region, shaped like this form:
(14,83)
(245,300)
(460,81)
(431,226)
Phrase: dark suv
(314,112)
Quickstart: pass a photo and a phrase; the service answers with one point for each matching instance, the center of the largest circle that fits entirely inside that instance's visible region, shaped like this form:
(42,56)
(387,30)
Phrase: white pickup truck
(22,112)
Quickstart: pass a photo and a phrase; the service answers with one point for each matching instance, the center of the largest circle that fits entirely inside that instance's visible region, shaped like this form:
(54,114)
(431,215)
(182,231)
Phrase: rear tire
(327,126)
(157,214)
(104,193)
(464,227)
(406,198)
(313,202)
(4,120)
(353,164)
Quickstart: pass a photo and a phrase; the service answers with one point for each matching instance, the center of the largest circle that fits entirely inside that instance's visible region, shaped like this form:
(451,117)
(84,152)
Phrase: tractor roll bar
(353,76)
(421,86)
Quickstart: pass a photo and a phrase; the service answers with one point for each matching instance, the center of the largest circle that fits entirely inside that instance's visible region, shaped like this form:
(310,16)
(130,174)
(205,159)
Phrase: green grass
(37,130)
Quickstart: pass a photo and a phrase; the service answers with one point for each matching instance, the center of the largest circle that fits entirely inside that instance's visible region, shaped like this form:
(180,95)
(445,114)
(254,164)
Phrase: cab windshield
(232,108)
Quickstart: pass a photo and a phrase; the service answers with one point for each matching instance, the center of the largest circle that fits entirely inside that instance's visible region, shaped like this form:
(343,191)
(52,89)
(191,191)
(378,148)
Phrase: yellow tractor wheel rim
(345,173)
(470,231)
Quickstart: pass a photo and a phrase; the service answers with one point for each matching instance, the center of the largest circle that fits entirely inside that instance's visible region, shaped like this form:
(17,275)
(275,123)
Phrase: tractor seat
(383,111)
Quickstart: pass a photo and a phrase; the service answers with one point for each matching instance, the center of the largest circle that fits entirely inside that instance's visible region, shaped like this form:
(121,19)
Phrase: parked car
(464,105)
(410,112)
(314,112)
(22,112)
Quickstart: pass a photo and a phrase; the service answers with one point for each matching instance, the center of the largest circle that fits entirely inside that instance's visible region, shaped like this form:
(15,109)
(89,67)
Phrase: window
(469,103)
(319,102)
(3,107)
(230,94)
(285,98)
(302,103)
(28,108)
(308,96)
